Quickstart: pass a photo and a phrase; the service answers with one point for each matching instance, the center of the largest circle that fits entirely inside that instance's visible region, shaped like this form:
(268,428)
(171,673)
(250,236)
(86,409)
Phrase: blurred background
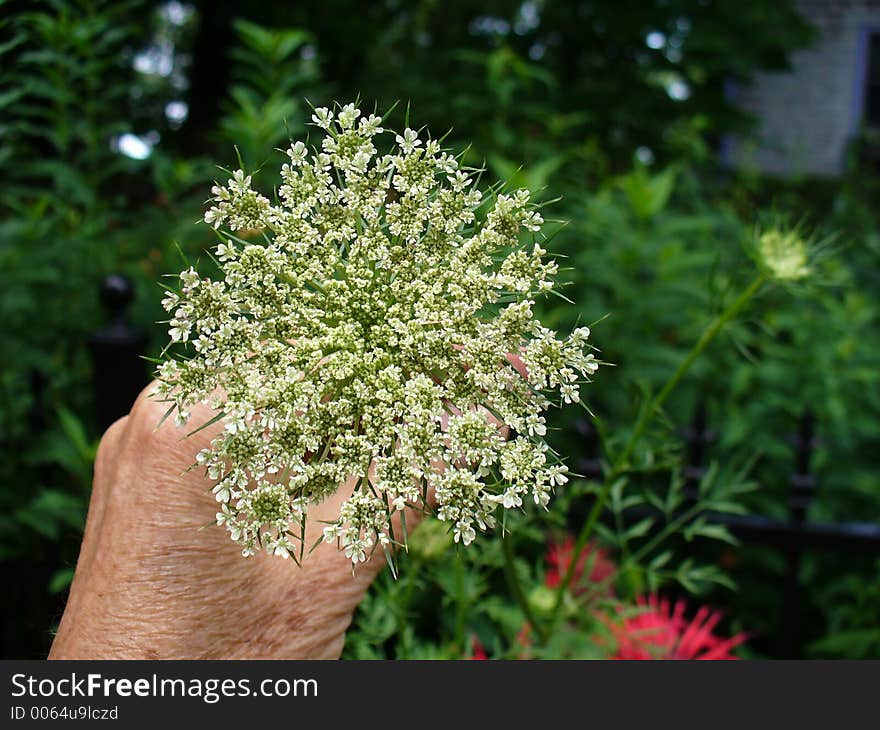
(672,130)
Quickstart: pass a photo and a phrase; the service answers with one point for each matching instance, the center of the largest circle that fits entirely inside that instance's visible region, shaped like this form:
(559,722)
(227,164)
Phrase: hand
(150,584)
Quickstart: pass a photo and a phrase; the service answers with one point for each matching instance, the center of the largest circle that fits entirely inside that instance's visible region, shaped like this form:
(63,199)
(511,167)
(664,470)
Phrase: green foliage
(557,97)
(61,114)
(265,106)
(68,216)
(526,80)
(445,599)
(654,550)
(65,59)
(853,605)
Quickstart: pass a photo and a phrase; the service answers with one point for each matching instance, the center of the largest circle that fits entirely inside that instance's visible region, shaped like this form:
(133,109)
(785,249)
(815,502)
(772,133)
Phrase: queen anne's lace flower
(362,328)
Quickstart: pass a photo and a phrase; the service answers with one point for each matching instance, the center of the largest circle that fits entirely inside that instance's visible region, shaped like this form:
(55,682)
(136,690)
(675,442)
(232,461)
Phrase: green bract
(376,314)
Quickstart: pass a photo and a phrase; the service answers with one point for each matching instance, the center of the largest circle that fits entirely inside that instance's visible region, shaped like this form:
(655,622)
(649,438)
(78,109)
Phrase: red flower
(660,631)
(559,558)
(477,650)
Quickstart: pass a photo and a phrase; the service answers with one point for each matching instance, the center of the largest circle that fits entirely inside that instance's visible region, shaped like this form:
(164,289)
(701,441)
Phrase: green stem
(460,606)
(517,590)
(402,612)
(646,415)
(670,529)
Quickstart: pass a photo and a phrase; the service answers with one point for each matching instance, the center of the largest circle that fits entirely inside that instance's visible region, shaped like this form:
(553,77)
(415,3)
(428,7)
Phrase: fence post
(802,487)
(119,371)
(697,437)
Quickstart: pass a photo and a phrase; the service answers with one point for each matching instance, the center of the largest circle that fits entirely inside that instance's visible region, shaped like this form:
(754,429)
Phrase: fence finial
(119,371)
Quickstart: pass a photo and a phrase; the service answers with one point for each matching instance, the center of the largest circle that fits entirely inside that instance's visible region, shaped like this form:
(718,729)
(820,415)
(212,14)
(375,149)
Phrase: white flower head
(381,329)
(784,255)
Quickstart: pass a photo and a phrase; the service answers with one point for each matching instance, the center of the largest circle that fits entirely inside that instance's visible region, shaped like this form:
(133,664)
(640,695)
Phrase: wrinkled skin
(150,584)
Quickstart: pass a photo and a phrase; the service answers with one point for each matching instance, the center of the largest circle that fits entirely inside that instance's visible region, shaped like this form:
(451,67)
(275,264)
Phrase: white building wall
(806,117)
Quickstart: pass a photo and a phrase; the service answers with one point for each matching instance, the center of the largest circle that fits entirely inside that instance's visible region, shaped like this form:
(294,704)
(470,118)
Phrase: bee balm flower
(361,327)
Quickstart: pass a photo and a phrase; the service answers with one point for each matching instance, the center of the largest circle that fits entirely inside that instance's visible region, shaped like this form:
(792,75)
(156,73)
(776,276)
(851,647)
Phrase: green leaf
(640,529)
(660,560)
(75,431)
(61,580)
(205,425)
(700,528)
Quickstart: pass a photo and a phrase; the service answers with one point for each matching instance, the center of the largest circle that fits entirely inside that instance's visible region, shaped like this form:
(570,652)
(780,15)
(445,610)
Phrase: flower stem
(516,588)
(646,415)
(402,612)
(460,606)
(670,529)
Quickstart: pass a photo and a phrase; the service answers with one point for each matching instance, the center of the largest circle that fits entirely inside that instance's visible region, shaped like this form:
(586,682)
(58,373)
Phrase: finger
(518,364)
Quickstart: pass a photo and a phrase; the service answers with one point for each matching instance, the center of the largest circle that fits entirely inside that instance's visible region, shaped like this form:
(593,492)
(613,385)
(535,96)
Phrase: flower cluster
(660,630)
(372,324)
